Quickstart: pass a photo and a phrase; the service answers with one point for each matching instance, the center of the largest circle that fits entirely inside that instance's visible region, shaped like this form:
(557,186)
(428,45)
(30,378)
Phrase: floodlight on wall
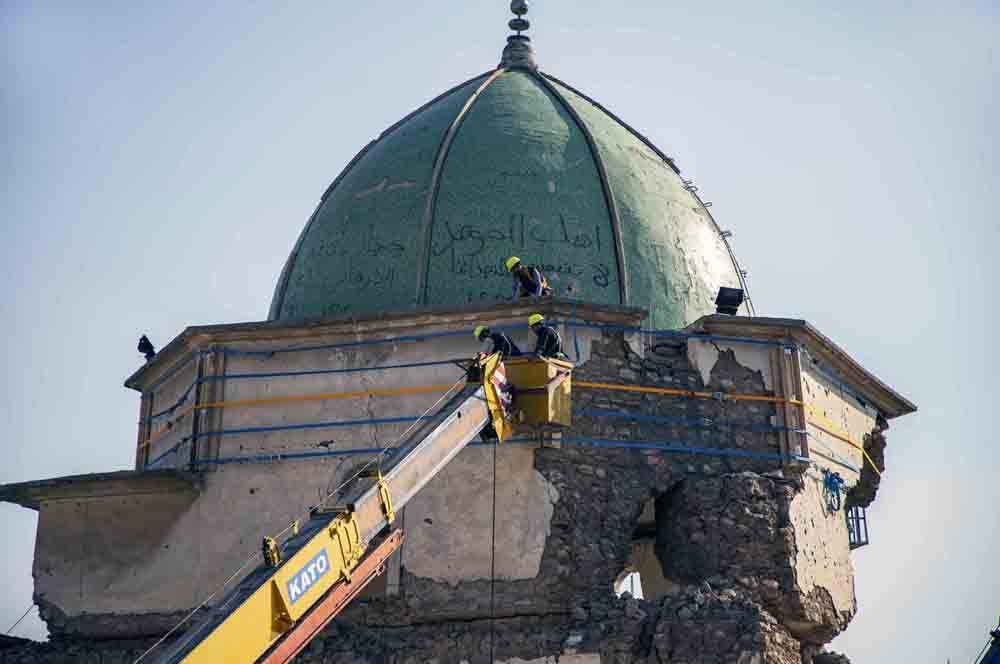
(726,234)
(728,300)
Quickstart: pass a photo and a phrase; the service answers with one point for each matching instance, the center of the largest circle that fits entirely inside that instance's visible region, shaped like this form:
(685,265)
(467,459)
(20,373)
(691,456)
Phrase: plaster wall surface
(705,355)
(833,418)
(99,558)
(293,399)
(155,555)
(822,551)
(168,431)
(115,549)
(449,525)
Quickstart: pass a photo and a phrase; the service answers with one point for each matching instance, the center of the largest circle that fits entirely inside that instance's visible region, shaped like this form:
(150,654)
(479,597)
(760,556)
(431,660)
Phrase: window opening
(857,526)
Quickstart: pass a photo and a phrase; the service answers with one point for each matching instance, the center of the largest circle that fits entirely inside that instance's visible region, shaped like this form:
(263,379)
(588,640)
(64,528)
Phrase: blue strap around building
(174,371)
(315,454)
(678,448)
(318,372)
(659,446)
(160,457)
(342,344)
(283,427)
(310,425)
(719,337)
(279,456)
(830,455)
(676,333)
(828,374)
(691,422)
(694,423)
(296,349)
(173,407)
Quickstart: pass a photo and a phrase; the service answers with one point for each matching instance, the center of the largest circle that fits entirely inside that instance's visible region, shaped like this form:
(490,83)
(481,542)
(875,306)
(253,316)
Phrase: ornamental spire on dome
(518,52)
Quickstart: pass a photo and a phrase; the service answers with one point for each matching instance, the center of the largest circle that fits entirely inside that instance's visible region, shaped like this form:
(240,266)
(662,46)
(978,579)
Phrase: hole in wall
(645,575)
(629,581)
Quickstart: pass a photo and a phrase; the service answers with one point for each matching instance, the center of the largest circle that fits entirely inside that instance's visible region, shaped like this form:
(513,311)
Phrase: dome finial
(517,52)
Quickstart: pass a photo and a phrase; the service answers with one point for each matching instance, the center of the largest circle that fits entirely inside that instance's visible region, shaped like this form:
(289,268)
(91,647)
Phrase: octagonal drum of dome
(513,162)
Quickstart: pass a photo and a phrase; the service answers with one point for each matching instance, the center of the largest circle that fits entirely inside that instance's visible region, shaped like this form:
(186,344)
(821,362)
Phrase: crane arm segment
(321,561)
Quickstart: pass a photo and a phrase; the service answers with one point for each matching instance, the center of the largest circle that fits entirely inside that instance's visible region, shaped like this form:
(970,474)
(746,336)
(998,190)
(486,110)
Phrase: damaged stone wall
(730,538)
(863,493)
(750,530)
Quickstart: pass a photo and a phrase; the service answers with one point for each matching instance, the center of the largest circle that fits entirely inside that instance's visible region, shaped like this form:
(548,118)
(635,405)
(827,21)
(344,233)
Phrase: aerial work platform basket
(528,393)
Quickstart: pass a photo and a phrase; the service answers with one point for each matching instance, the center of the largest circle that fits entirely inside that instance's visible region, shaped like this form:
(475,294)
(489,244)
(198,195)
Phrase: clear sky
(159,160)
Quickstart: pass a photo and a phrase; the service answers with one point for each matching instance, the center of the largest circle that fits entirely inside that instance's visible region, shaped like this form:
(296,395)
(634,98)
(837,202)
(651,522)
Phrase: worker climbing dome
(512,161)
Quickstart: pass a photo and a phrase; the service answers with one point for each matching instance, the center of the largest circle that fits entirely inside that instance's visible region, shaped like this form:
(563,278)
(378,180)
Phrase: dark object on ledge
(728,300)
(146,347)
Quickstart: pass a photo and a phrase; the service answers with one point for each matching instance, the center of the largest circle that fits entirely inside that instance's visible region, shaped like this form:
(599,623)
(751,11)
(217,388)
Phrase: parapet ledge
(800,333)
(118,483)
(414,320)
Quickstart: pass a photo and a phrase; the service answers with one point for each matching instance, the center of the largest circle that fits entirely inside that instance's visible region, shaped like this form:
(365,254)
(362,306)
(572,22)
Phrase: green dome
(513,162)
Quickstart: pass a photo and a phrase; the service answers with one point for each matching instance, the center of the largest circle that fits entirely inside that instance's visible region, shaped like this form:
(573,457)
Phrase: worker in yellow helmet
(499,343)
(548,342)
(526,281)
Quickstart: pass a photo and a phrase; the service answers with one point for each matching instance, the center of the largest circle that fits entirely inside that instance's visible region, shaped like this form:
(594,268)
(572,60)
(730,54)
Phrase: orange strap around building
(831,429)
(724,396)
